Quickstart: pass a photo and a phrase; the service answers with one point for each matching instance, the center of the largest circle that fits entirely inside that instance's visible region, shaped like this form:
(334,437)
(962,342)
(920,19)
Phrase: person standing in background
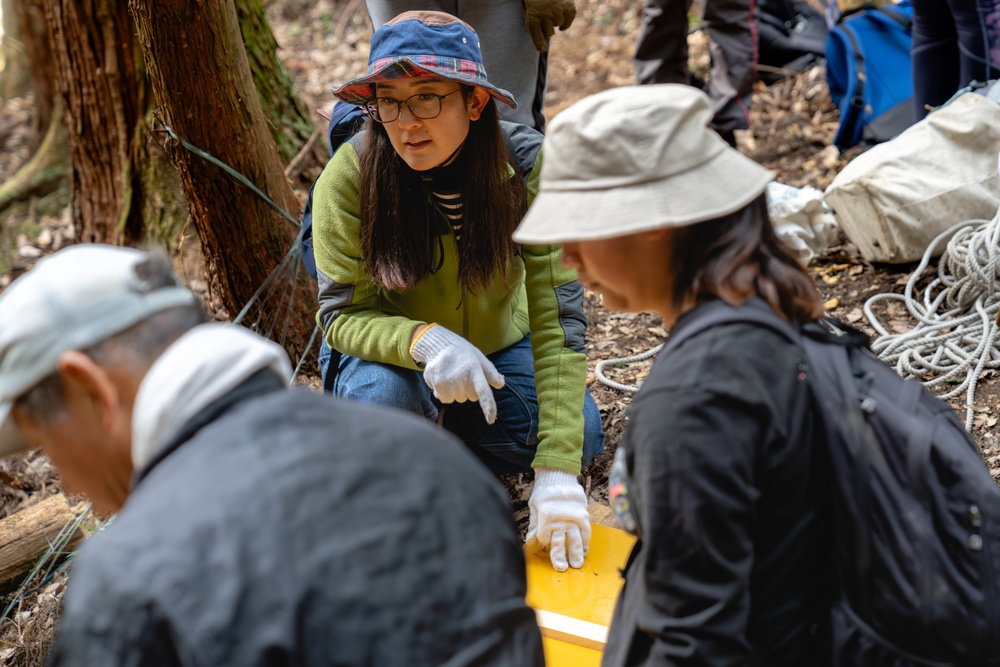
(955,42)
(661,55)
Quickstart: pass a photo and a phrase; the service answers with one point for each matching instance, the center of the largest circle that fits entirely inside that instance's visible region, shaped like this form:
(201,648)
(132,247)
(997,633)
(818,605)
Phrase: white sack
(892,200)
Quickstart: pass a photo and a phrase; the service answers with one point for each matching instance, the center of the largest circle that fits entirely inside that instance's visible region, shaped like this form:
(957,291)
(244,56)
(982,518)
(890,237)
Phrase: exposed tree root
(45,170)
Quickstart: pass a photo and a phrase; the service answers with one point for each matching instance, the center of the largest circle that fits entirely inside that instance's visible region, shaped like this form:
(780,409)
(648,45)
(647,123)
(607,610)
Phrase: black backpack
(915,514)
(791,35)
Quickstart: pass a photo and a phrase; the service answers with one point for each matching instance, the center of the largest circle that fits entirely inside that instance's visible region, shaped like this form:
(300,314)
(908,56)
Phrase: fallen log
(26,536)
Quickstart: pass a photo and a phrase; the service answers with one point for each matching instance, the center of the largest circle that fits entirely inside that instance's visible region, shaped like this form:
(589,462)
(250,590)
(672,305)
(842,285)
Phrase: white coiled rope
(631,388)
(954,339)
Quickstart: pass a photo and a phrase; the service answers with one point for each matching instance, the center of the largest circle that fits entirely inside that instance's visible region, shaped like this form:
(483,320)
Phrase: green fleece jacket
(361,320)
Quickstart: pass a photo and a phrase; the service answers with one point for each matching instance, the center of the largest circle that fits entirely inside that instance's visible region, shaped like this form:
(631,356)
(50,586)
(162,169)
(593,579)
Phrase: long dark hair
(736,257)
(397,232)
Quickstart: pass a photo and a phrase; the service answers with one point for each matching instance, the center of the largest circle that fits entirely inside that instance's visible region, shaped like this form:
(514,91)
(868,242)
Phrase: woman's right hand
(455,369)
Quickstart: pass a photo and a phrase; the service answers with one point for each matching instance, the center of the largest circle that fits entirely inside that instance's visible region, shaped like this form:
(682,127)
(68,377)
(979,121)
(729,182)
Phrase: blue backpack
(869,73)
(345,121)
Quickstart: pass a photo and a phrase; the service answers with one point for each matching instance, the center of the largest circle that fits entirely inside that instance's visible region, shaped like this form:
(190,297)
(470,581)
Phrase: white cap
(70,300)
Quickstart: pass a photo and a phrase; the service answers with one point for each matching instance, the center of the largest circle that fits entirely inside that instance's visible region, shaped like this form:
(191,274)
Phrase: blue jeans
(505,446)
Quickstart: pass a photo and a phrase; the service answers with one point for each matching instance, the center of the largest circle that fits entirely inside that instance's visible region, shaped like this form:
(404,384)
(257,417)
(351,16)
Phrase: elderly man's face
(90,443)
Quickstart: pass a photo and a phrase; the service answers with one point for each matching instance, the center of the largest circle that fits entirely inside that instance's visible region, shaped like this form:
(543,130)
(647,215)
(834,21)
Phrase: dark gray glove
(542,17)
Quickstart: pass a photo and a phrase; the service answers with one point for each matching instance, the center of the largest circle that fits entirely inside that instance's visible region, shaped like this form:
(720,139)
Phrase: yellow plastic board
(575,607)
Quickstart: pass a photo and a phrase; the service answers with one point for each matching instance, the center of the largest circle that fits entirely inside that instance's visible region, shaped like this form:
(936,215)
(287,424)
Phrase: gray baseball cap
(70,300)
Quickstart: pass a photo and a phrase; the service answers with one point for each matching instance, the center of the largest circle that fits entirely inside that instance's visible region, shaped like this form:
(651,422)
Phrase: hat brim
(723,185)
(361,90)
(12,440)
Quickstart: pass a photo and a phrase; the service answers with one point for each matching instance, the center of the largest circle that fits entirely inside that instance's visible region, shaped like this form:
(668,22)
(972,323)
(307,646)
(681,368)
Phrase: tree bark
(15,79)
(98,72)
(37,40)
(206,94)
(288,118)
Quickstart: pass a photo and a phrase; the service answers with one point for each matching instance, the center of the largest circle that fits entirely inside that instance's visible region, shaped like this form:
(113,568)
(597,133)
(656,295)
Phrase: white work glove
(456,370)
(542,17)
(558,518)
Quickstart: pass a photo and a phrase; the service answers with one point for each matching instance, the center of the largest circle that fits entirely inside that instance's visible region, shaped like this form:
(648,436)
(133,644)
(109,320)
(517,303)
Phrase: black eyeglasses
(422,105)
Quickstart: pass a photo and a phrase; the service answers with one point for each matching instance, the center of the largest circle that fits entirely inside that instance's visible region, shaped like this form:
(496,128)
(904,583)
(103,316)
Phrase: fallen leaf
(831,304)
(900,327)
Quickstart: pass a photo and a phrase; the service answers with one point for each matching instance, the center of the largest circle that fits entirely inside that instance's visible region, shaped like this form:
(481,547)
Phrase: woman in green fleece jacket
(431,305)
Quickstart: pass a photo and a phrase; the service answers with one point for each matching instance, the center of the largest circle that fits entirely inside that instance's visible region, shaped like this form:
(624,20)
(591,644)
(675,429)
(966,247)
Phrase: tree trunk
(288,118)
(15,79)
(206,94)
(37,40)
(99,77)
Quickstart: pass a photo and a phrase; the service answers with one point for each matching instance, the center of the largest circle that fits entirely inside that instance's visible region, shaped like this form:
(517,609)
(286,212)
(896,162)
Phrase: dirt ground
(326,41)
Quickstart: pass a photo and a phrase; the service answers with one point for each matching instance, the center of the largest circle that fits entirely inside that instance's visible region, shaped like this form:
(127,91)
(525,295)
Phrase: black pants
(661,54)
(955,42)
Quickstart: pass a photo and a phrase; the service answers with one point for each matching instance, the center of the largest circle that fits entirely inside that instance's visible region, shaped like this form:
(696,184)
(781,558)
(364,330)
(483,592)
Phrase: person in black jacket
(715,473)
(256,525)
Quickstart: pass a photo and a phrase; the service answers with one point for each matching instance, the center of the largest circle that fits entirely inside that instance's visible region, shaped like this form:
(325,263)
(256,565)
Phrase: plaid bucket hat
(422,44)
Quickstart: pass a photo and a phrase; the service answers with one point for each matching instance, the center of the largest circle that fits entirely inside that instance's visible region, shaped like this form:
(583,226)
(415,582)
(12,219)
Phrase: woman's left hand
(558,518)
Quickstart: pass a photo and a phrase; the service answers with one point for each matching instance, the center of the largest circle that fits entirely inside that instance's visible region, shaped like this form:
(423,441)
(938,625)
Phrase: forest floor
(324,42)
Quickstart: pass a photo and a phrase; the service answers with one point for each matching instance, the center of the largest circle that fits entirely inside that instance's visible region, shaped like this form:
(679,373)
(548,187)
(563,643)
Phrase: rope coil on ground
(631,388)
(954,339)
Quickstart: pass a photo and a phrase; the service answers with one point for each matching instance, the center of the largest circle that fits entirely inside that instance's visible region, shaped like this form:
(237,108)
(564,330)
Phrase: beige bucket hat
(636,158)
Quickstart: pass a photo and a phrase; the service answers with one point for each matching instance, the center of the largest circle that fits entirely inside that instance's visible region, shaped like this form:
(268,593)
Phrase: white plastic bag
(801,219)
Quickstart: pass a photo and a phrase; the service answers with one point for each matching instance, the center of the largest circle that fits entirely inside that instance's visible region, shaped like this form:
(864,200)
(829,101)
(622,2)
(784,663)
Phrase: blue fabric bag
(345,120)
(869,73)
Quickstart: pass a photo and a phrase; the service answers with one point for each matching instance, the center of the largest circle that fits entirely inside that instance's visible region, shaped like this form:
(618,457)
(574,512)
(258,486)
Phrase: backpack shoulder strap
(523,142)
(754,311)
(344,122)
(896,15)
(357,140)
